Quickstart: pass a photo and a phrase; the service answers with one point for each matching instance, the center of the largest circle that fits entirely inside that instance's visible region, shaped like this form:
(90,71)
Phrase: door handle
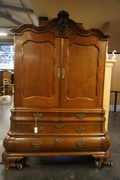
(59,73)
(63,73)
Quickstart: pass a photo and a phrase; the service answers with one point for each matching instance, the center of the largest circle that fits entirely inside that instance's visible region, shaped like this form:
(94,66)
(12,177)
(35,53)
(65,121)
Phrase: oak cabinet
(58,98)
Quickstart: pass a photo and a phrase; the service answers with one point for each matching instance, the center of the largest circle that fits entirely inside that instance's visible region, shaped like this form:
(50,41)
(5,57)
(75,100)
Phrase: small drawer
(82,116)
(57,144)
(41,116)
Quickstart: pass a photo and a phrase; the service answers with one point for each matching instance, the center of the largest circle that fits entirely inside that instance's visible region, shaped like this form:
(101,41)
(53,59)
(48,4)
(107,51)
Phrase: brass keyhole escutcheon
(59,140)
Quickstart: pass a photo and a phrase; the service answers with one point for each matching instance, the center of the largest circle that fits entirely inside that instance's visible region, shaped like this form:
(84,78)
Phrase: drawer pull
(37,114)
(81,143)
(81,115)
(59,126)
(59,140)
(80,129)
(37,143)
(39,129)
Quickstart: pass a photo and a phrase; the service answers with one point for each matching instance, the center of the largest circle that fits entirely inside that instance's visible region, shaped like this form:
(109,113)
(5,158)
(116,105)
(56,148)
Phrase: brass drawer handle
(59,140)
(80,129)
(81,143)
(59,126)
(37,143)
(37,114)
(81,115)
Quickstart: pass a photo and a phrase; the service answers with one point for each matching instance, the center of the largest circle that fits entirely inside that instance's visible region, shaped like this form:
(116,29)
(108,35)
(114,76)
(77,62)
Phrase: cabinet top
(61,26)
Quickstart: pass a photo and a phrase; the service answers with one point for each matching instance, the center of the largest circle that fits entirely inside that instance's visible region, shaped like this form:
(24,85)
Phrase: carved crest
(62,21)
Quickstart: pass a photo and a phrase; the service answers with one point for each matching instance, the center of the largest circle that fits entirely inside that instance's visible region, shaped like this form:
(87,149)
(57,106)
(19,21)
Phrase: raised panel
(83,61)
(39,65)
(84,64)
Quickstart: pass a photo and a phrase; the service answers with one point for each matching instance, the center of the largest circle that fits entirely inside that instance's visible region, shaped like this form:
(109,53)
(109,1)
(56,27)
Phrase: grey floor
(61,168)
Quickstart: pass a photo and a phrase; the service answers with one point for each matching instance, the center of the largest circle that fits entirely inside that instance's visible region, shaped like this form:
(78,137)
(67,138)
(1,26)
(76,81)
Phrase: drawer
(81,116)
(41,116)
(58,144)
(59,128)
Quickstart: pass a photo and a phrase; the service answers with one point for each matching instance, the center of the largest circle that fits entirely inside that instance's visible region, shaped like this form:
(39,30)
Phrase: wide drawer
(58,144)
(58,128)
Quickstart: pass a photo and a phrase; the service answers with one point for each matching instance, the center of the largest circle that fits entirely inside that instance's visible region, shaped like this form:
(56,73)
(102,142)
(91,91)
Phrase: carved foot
(11,160)
(103,159)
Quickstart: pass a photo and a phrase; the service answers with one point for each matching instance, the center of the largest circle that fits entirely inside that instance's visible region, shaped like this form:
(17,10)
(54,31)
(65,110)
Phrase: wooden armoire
(58,92)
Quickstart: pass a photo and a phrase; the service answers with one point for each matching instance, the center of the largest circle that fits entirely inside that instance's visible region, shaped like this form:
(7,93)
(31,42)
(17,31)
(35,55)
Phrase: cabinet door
(36,64)
(83,60)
